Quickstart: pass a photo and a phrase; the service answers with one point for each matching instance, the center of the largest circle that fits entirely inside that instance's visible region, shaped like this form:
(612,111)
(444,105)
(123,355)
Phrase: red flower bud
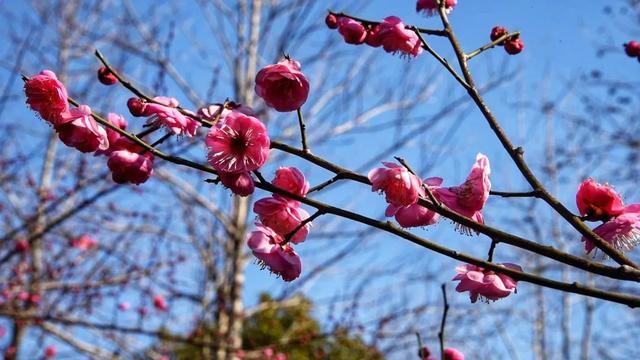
(136,106)
(22,245)
(331,21)
(514,46)
(497,32)
(106,77)
(632,48)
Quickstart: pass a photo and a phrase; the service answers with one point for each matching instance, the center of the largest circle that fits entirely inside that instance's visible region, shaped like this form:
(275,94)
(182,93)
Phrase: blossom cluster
(621,224)
(391,34)
(513,45)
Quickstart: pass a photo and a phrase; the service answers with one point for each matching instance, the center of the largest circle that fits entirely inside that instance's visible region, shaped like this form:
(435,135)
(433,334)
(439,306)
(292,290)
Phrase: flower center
(238,145)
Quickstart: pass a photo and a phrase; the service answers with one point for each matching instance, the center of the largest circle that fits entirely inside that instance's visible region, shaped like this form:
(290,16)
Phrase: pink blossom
(47,96)
(281,260)
(165,113)
(282,217)
(79,130)
(129,163)
(430,7)
(597,201)
(210,112)
(292,180)
(413,215)
(240,184)
(485,284)
(239,145)
(622,232)
(394,37)
(282,86)
(401,187)
(124,306)
(280,356)
(352,31)
(84,242)
(112,135)
(160,303)
(453,354)
(469,198)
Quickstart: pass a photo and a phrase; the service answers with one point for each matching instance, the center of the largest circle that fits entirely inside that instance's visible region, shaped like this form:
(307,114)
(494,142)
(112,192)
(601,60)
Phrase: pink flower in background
(47,96)
(352,31)
(166,114)
(84,242)
(292,180)
(124,306)
(50,351)
(239,145)
(129,164)
(282,217)
(211,112)
(112,135)
(281,260)
(597,201)
(79,130)
(469,198)
(622,232)
(160,303)
(401,187)
(282,86)
(453,354)
(240,184)
(395,38)
(430,7)
(485,284)
(632,48)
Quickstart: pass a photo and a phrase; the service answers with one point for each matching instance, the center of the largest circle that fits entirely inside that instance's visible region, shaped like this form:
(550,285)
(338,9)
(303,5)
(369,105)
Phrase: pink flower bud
(106,77)
(22,245)
(129,164)
(453,354)
(292,180)
(124,306)
(352,31)
(401,187)
(331,21)
(50,351)
(282,217)
(282,86)
(241,184)
(160,303)
(165,112)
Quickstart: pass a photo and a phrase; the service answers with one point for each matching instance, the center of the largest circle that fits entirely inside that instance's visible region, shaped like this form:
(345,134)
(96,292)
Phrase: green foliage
(290,329)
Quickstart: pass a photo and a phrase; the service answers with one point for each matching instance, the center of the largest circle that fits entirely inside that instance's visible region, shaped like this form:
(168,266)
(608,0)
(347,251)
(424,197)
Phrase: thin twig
(445,310)
(303,131)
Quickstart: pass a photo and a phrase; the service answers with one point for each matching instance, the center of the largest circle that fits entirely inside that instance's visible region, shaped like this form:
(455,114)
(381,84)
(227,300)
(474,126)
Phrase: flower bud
(513,46)
(136,106)
(498,32)
(106,77)
(331,21)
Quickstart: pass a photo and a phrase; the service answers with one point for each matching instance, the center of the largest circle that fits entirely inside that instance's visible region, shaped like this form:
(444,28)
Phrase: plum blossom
(622,232)
(129,163)
(282,86)
(78,129)
(395,38)
(352,31)
(415,215)
(47,96)
(239,145)
(430,7)
(165,112)
(112,135)
(401,187)
(241,184)
(84,242)
(486,284)
(292,180)
(273,253)
(597,201)
(283,217)
(469,198)
(160,303)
